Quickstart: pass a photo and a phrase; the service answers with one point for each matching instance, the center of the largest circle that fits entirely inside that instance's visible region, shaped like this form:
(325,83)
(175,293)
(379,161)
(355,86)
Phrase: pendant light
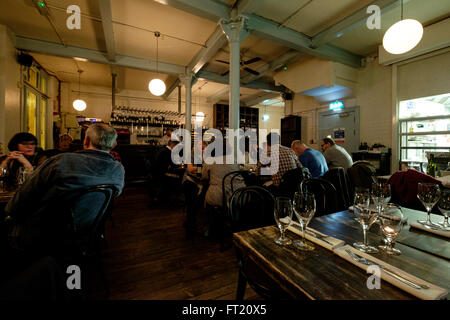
(79,104)
(157,87)
(402,36)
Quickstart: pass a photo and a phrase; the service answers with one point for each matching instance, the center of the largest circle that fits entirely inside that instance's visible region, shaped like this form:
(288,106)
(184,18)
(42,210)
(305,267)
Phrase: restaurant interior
(311,71)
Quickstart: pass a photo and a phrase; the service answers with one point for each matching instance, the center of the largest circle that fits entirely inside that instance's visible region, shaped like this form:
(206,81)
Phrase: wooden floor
(149,257)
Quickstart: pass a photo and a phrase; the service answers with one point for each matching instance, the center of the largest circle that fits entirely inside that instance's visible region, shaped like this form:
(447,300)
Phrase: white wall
(10,98)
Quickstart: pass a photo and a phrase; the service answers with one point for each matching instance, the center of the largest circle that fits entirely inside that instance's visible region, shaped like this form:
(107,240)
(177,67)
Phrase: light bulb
(79,105)
(157,87)
(403,36)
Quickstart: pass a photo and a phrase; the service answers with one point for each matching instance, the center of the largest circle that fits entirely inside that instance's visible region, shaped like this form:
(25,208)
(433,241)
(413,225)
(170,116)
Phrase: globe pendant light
(403,36)
(79,104)
(156,86)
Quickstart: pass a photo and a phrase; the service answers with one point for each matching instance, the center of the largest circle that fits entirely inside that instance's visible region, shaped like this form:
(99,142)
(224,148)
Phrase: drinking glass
(444,207)
(3,175)
(428,194)
(381,195)
(304,208)
(283,218)
(392,222)
(366,215)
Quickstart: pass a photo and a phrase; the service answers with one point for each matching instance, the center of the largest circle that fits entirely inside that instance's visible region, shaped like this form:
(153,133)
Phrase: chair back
(251,207)
(230,183)
(291,180)
(339,179)
(362,175)
(84,219)
(324,193)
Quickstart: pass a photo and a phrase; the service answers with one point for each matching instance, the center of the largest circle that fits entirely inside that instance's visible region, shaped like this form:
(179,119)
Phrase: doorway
(342,126)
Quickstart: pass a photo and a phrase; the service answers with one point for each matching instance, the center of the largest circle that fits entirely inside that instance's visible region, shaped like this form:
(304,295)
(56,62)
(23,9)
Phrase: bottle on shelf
(431,168)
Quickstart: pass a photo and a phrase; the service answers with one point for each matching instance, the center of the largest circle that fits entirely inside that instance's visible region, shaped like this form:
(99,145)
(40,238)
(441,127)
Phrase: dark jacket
(48,191)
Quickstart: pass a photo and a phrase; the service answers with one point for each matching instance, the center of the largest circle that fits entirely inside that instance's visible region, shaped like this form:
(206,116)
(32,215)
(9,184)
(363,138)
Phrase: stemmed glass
(391,221)
(304,208)
(3,175)
(381,194)
(366,216)
(428,194)
(444,207)
(283,218)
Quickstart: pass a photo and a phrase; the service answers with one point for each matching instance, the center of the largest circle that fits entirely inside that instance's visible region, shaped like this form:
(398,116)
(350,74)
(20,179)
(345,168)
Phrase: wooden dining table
(321,274)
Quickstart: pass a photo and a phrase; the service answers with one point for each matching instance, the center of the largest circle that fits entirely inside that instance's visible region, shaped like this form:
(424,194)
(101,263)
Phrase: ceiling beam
(213,45)
(247,6)
(172,87)
(214,98)
(214,77)
(105,12)
(273,65)
(272,31)
(254,100)
(211,10)
(56,49)
(351,22)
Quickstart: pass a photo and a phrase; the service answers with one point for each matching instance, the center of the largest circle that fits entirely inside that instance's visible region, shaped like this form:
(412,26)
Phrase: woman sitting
(23,157)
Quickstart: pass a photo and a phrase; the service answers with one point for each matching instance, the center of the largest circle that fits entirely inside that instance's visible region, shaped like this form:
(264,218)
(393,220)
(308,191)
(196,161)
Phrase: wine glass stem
(429,216)
(303,233)
(282,234)
(446,221)
(365,235)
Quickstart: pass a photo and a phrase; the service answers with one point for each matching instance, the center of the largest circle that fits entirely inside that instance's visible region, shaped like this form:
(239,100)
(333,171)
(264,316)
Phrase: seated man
(162,178)
(42,198)
(335,155)
(285,160)
(310,158)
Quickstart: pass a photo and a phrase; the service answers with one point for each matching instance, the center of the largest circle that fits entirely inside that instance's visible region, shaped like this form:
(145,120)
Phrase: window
(424,127)
(35,103)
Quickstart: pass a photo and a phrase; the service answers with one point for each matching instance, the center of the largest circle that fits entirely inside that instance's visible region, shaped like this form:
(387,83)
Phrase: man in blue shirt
(310,158)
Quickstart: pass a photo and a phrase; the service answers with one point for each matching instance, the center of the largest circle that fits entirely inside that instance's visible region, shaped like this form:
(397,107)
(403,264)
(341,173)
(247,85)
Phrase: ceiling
(281,32)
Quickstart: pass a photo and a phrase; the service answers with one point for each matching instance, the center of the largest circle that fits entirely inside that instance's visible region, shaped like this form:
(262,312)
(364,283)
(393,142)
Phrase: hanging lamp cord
(157,35)
(402,9)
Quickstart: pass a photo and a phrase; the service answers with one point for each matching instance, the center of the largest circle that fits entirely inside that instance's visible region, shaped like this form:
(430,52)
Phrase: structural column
(236,31)
(186,80)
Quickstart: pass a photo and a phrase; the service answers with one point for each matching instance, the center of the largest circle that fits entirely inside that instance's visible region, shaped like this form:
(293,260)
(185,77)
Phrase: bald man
(310,158)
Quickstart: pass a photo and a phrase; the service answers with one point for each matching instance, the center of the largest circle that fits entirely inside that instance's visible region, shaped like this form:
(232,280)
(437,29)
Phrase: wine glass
(3,175)
(381,194)
(366,216)
(428,194)
(444,207)
(392,222)
(304,208)
(283,217)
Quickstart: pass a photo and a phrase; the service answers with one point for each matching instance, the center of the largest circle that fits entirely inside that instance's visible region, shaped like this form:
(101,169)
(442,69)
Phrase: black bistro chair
(252,207)
(325,194)
(361,175)
(84,246)
(339,179)
(291,180)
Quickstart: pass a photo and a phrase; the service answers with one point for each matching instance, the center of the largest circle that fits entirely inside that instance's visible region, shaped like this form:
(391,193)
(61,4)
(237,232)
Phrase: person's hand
(17,155)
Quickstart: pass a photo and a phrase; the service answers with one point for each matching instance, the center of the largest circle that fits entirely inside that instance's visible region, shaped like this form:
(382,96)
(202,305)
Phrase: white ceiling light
(79,104)
(265,117)
(157,87)
(402,36)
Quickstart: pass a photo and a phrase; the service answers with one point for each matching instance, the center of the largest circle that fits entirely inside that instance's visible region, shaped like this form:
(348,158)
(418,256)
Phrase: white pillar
(236,31)
(186,80)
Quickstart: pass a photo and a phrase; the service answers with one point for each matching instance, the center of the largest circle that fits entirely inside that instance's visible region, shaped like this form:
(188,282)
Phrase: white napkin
(335,243)
(433,293)
(437,231)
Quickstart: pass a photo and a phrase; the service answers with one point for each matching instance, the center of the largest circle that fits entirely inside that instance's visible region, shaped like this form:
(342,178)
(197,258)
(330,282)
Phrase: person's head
(327,143)
(273,136)
(169,132)
(298,146)
(24,142)
(100,136)
(64,141)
